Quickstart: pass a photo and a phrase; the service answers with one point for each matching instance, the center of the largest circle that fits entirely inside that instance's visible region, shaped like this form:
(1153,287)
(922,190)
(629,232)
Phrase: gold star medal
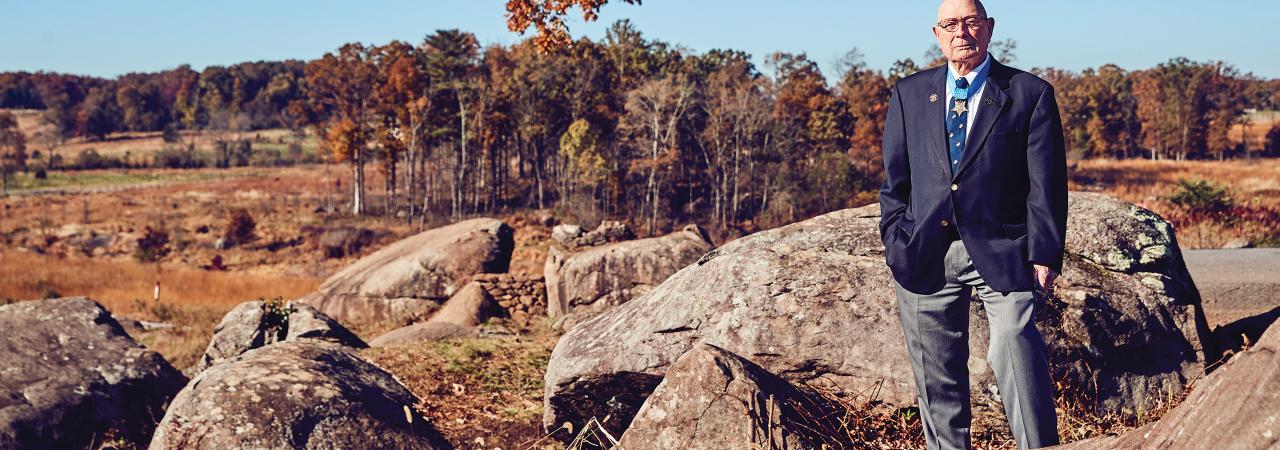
(960,107)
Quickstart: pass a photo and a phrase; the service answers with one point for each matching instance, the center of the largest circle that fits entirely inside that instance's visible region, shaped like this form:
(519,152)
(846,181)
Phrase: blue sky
(109,38)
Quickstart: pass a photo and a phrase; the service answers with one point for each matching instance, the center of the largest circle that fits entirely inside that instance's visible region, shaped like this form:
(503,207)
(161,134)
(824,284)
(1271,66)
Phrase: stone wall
(523,296)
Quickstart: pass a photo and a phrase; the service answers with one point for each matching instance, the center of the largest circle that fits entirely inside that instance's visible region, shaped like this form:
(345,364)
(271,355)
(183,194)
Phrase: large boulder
(471,306)
(813,302)
(299,395)
(257,324)
(603,276)
(70,376)
(713,399)
(404,281)
(573,237)
(1234,407)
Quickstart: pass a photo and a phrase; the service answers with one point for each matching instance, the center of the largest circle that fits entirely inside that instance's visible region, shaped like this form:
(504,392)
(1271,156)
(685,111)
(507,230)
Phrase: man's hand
(1044,278)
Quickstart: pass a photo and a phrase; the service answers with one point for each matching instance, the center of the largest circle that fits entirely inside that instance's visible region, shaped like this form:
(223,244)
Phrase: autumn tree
(1177,104)
(402,103)
(865,92)
(140,104)
(811,129)
(451,59)
(654,112)
(537,108)
(547,17)
(99,115)
(736,128)
(340,87)
(13,149)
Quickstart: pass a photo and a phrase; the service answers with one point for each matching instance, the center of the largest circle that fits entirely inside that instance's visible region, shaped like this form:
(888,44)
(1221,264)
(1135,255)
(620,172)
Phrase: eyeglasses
(973,23)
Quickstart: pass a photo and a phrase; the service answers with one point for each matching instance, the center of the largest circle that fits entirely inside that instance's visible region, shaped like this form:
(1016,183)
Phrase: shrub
(1273,141)
(176,158)
(294,151)
(240,226)
(275,317)
(171,135)
(152,246)
(89,159)
(1201,197)
(242,151)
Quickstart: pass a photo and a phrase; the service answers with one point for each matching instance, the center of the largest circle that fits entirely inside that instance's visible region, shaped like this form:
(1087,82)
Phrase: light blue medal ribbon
(963,94)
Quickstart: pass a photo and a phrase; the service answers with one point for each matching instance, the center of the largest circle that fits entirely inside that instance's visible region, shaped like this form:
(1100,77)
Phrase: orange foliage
(548,17)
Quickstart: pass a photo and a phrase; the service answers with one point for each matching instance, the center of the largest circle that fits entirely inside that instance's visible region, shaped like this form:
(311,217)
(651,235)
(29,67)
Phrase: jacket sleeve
(896,191)
(1047,172)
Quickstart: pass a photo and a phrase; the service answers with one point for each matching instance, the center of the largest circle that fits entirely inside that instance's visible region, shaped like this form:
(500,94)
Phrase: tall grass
(192,300)
(117,284)
(1253,186)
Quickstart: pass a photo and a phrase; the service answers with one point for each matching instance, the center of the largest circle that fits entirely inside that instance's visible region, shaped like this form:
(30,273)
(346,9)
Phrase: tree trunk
(357,185)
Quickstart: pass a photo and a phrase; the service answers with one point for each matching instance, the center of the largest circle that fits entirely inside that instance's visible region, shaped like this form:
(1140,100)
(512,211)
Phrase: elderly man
(974,197)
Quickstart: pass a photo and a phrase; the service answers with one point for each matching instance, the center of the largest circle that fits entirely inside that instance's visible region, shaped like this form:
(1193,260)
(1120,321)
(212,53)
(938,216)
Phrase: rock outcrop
(1234,407)
(257,324)
(604,276)
(298,395)
(70,376)
(406,280)
(469,307)
(572,237)
(813,302)
(713,399)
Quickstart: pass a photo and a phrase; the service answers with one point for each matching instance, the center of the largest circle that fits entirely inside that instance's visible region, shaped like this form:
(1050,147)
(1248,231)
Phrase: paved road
(1236,283)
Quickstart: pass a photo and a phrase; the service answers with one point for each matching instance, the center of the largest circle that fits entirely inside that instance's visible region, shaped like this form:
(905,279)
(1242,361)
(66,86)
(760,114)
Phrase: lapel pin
(933,98)
(991,102)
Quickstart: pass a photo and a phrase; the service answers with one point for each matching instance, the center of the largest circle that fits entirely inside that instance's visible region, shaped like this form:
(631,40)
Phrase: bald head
(949,8)
(965,45)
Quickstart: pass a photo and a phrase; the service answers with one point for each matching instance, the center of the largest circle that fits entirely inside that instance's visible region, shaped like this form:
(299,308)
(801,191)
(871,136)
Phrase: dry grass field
(1253,186)
(192,300)
(138,147)
(79,236)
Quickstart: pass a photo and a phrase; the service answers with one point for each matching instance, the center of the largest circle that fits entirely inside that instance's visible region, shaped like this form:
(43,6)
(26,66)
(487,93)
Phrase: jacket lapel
(936,118)
(993,104)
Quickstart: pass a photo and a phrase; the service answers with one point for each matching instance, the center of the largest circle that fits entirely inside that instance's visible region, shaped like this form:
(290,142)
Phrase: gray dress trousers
(937,337)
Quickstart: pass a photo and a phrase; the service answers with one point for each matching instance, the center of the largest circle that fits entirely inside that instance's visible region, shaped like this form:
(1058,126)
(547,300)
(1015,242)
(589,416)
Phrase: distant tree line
(251,95)
(626,127)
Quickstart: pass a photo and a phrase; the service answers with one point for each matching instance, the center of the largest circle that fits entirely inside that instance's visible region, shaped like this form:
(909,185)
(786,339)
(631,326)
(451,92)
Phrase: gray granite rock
(404,281)
(70,376)
(713,399)
(600,277)
(253,324)
(1236,406)
(295,395)
(813,302)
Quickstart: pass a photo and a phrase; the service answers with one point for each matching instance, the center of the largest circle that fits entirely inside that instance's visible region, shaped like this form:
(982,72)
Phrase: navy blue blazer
(1008,198)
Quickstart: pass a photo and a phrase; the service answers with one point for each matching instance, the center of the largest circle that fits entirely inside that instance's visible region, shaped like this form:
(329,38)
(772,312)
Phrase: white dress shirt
(974,100)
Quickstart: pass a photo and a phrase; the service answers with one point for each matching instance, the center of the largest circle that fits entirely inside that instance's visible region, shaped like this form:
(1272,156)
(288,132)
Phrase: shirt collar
(986,65)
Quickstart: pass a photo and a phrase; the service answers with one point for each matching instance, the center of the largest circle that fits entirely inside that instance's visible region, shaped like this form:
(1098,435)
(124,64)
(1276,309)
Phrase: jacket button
(955,186)
(945,223)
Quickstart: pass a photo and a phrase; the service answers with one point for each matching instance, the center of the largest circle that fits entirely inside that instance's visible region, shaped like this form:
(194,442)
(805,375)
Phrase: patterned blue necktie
(957,116)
